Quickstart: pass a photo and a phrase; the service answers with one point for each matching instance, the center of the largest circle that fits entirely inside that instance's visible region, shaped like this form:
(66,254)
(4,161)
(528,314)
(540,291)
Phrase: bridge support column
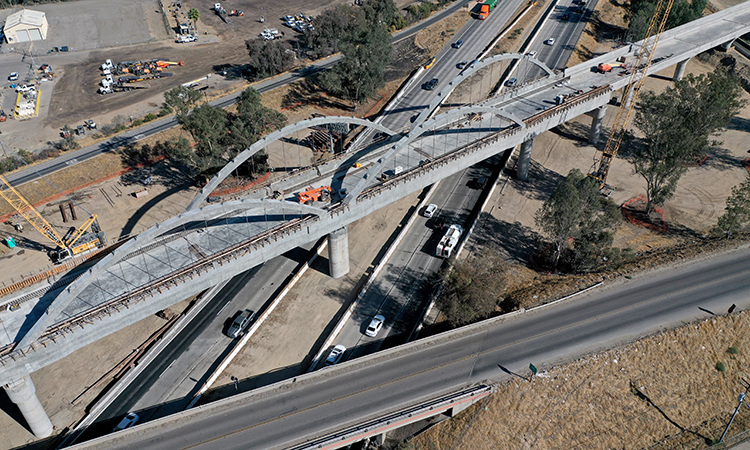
(597,118)
(338,253)
(727,46)
(679,70)
(524,159)
(379,438)
(23,394)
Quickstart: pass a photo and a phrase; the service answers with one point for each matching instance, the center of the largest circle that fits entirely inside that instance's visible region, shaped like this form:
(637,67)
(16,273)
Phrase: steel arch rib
(142,239)
(466,73)
(437,121)
(266,141)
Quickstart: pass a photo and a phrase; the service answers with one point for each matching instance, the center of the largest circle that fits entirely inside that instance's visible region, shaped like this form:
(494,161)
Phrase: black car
(438,223)
(480,183)
(430,85)
(458,44)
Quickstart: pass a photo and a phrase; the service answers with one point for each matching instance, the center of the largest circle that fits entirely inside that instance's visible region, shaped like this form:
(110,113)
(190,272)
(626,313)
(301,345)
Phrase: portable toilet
(10,242)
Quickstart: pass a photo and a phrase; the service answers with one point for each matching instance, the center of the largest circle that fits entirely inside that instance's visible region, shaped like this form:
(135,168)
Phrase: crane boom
(27,210)
(633,88)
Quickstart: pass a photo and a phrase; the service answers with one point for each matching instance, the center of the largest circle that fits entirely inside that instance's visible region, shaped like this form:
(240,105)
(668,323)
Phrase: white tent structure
(25,25)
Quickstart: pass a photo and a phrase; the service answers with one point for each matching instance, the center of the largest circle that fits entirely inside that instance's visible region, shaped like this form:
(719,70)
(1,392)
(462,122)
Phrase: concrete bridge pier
(679,70)
(726,46)
(597,118)
(338,253)
(23,393)
(524,159)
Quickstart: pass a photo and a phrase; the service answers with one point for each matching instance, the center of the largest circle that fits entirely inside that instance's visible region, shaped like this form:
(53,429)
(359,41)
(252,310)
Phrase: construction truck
(322,193)
(118,87)
(449,241)
(144,77)
(77,241)
(486,8)
(221,12)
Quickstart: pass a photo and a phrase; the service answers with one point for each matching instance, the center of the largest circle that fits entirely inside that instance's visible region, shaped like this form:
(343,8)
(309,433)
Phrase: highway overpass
(206,245)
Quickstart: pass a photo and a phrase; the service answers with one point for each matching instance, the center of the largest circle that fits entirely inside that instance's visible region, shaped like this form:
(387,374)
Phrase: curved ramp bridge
(209,244)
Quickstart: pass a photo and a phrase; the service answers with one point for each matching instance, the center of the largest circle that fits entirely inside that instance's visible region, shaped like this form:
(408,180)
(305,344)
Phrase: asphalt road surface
(332,399)
(401,288)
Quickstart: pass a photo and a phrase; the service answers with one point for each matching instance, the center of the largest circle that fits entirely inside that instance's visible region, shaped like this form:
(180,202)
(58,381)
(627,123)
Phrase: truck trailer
(486,8)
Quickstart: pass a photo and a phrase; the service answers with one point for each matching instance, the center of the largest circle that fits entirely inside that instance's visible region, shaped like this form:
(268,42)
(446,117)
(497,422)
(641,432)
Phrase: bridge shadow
(542,181)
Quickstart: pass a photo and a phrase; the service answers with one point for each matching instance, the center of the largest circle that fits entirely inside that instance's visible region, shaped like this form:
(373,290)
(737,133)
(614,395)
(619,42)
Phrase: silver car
(376,324)
(336,354)
(240,323)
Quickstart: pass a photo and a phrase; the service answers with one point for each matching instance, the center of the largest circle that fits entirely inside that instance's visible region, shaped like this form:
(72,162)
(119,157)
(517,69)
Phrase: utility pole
(740,399)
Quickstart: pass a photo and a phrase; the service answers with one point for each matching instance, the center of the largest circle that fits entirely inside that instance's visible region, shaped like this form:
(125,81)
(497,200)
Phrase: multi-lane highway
(328,400)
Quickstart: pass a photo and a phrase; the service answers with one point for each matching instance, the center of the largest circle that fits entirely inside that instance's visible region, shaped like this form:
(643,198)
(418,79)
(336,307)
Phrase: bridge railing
(60,330)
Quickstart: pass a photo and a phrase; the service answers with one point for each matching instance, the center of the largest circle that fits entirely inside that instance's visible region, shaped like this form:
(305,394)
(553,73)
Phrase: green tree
(333,26)
(577,222)
(472,288)
(219,136)
(267,58)
(736,217)
(181,99)
(361,70)
(639,13)
(194,15)
(677,126)
(383,12)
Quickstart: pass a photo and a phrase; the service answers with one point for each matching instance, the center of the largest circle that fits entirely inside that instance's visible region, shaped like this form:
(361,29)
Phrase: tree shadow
(516,240)
(308,92)
(722,159)
(739,124)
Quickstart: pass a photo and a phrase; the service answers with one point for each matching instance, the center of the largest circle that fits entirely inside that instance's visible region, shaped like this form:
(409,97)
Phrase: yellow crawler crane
(74,243)
(640,68)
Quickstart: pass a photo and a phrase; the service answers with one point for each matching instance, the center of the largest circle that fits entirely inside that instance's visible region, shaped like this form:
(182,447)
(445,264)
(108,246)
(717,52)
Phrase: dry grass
(600,401)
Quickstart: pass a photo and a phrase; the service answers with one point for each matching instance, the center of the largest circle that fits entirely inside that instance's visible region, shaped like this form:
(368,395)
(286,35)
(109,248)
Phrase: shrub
(138,122)
(149,117)
(720,366)
(733,350)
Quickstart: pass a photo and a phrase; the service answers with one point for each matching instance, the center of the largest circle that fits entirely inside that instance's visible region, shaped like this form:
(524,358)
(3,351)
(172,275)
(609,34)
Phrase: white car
(550,41)
(13,76)
(376,324)
(532,53)
(335,355)
(430,210)
(128,421)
